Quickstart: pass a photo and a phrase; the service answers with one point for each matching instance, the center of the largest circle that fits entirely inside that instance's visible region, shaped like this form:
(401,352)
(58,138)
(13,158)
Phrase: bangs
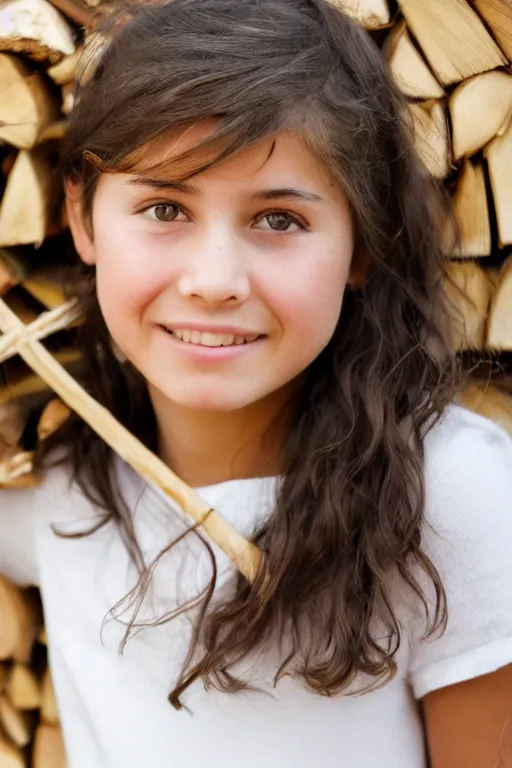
(161,157)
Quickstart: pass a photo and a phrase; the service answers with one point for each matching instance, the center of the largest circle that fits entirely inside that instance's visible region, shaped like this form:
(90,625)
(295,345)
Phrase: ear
(80,228)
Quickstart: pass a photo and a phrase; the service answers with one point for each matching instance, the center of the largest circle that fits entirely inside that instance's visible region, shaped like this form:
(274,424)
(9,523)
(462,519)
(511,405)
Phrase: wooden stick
(243,553)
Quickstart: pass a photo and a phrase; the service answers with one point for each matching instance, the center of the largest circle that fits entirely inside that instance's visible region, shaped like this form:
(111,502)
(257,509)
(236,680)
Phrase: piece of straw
(16,466)
(46,324)
(243,553)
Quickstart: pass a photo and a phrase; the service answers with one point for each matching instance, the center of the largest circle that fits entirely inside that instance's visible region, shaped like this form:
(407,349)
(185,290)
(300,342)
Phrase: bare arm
(469,725)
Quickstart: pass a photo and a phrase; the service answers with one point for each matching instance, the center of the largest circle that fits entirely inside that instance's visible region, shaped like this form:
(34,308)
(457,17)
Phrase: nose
(215,272)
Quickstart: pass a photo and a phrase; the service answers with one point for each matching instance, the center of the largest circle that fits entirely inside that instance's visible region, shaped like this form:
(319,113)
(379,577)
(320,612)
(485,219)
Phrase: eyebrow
(264,194)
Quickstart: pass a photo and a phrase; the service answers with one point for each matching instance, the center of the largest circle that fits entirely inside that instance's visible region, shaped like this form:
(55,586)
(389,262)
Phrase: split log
(67,98)
(499,161)
(12,424)
(52,418)
(19,623)
(17,466)
(74,10)
(16,472)
(54,132)
(36,29)
(499,331)
(4,677)
(372,14)
(48,749)
(493,276)
(23,688)
(13,268)
(431,136)
(498,15)
(45,285)
(452,37)
(491,402)
(471,212)
(479,109)
(7,279)
(26,206)
(469,292)
(27,106)
(21,383)
(14,723)
(410,71)
(64,72)
(49,711)
(10,756)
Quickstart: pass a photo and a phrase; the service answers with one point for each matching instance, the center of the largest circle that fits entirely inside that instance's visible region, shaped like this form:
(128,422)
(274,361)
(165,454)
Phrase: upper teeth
(210,339)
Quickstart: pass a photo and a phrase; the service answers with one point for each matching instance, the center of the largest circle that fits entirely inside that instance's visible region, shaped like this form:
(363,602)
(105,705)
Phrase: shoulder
(468,463)
(468,494)
(467,536)
(462,436)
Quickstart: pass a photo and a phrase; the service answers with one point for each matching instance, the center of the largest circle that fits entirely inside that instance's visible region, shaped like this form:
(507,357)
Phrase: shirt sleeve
(468,537)
(18,559)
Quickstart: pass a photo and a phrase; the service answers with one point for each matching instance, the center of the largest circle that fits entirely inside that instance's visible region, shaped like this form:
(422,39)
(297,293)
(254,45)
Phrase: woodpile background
(452,59)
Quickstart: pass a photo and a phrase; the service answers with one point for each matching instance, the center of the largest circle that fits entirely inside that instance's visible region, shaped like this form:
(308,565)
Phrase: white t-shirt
(114,709)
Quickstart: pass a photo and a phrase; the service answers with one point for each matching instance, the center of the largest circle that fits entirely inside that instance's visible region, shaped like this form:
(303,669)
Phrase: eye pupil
(278,221)
(165,212)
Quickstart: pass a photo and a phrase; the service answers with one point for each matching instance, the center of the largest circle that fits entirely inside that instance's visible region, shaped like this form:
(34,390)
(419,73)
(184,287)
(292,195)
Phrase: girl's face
(223,289)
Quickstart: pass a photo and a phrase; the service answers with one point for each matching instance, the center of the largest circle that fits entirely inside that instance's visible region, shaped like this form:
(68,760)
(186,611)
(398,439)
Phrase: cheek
(127,280)
(308,301)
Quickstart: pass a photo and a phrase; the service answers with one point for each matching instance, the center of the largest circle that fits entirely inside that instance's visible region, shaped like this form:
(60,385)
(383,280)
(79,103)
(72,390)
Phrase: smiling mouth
(209,339)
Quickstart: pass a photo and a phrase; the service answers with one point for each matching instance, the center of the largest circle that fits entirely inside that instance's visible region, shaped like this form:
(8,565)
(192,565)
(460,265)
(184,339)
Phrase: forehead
(179,154)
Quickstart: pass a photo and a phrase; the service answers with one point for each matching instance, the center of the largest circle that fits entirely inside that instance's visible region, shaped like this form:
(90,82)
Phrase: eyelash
(293,217)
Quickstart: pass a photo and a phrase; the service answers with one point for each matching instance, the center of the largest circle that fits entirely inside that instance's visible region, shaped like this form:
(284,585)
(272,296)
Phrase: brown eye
(279,222)
(165,211)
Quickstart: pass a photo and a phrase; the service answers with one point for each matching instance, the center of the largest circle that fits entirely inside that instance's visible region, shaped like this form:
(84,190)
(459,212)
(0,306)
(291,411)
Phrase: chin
(222,401)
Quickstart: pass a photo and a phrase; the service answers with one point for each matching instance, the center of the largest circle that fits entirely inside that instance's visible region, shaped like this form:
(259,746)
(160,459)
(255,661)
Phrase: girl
(262,289)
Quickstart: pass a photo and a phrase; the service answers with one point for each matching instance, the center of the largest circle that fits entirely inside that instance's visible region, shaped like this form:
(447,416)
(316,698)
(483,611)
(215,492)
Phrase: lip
(202,354)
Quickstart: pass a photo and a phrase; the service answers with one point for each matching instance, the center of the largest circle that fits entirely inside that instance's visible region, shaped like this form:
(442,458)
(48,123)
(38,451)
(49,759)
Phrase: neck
(209,447)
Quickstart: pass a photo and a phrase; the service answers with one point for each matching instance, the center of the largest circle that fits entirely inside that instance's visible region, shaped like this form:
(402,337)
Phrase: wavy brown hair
(350,512)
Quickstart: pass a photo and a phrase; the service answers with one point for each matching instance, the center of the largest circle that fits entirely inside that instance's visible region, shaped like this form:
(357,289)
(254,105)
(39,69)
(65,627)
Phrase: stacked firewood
(29,720)
(452,60)
(39,48)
